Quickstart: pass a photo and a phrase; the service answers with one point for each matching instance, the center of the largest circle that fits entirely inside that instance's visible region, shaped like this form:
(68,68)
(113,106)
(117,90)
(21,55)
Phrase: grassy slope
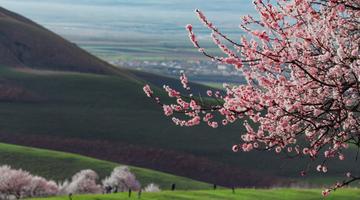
(25,43)
(115,108)
(59,166)
(243,194)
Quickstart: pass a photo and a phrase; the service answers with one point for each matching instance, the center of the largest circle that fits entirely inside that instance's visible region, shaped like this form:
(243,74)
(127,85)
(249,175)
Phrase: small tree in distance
(83,182)
(13,182)
(40,187)
(301,63)
(121,180)
(21,184)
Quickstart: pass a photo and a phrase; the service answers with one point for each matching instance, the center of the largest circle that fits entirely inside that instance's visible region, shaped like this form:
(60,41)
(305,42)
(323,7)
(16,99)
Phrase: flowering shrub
(21,184)
(40,187)
(121,180)
(83,182)
(301,63)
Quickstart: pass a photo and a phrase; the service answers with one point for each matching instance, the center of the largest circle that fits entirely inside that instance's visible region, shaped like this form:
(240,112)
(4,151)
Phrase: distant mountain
(23,43)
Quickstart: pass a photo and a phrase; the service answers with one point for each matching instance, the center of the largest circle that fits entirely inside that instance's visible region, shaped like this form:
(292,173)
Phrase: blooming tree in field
(21,184)
(83,182)
(301,62)
(40,187)
(121,180)
(13,182)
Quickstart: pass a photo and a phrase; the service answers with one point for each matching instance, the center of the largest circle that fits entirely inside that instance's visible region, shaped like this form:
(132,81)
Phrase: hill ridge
(24,43)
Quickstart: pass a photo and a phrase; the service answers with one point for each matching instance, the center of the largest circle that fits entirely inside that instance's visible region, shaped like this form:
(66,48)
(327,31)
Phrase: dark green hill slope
(24,43)
(109,117)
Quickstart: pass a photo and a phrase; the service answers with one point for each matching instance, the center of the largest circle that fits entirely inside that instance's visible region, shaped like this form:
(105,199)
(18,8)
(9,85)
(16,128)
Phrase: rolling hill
(108,117)
(60,166)
(23,43)
(105,115)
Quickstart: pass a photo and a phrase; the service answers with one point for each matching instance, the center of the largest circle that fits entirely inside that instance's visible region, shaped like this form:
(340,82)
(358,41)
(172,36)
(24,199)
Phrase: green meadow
(240,194)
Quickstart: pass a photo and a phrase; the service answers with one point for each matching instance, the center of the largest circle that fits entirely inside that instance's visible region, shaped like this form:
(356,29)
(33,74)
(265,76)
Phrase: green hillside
(93,108)
(25,43)
(243,194)
(60,166)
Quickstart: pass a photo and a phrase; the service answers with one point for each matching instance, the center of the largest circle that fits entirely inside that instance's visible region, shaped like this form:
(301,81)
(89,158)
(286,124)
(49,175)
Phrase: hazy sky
(128,18)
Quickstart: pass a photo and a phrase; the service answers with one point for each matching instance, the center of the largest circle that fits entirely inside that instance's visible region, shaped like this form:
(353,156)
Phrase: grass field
(114,108)
(60,166)
(240,194)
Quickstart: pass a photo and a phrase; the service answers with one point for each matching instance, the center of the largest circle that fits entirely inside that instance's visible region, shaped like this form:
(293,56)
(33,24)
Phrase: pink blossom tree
(301,62)
(40,187)
(83,182)
(21,184)
(13,182)
(121,180)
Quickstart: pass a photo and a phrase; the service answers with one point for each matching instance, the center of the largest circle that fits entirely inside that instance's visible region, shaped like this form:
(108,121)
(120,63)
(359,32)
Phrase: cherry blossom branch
(302,72)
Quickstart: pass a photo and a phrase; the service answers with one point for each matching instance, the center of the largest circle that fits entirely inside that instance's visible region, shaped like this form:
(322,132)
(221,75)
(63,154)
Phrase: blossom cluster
(301,62)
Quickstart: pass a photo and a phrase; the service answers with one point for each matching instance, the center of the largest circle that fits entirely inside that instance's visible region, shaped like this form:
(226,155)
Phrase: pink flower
(302,173)
(192,36)
(341,157)
(278,149)
(289,149)
(355,52)
(213,124)
(184,81)
(148,90)
(194,121)
(176,107)
(233,61)
(189,27)
(306,151)
(167,110)
(171,92)
(208,116)
(225,122)
(235,148)
(348,174)
(341,7)
(327,154)
(324,169)
(194,105)
(319,168)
